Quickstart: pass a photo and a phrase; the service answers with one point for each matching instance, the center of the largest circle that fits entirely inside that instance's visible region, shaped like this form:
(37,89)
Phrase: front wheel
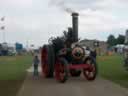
(61,70)
(91,72)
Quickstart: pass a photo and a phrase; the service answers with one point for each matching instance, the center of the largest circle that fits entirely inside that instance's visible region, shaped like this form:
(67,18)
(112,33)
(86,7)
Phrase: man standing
(35,65)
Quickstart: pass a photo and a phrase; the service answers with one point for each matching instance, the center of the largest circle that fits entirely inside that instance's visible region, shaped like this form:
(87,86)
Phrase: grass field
(111,68)
(12,73)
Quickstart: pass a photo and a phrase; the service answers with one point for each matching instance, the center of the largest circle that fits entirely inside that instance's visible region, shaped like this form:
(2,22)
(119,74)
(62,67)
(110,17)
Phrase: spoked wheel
(126,64)
(47,60)
(61,70)
(75,73)
(45,67)
(91,72)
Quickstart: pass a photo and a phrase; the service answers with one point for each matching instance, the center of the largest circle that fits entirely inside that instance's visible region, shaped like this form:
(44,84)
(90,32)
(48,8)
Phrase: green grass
(12,73)
(13,68)
(111,68)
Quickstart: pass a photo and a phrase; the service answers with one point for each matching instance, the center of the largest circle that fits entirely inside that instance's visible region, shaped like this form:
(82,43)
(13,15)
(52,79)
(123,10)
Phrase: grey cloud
(76,5)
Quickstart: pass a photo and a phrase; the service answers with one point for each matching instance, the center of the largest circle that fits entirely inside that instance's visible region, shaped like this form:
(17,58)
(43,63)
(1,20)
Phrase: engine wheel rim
(45,69)
(90,72)
(60,72)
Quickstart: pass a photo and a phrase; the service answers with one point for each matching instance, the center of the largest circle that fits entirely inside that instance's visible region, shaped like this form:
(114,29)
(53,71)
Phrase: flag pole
(3,28)
(4,39)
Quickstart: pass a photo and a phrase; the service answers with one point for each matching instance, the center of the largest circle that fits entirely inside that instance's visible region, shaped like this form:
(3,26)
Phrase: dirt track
(73,87)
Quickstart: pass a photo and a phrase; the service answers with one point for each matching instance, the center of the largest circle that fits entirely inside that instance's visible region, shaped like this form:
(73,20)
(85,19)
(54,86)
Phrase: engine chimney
(75,26)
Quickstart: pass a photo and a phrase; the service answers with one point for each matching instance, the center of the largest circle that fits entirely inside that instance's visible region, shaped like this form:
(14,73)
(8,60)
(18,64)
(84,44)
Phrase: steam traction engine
(64,57)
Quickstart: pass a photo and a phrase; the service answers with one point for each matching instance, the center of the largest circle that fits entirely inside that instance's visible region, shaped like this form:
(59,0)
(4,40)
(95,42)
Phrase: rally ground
(40,86)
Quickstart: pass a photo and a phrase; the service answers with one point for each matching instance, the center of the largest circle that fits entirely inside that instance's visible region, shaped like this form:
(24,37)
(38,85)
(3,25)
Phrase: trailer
(64,57)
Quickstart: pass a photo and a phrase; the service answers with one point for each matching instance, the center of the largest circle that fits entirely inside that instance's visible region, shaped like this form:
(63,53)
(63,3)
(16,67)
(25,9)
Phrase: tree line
(112,40)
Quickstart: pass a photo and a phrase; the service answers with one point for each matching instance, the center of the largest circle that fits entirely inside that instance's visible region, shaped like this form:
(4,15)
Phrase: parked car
(12,52)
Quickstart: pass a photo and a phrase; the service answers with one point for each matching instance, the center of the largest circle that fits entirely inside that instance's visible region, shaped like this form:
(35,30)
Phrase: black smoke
(62,5)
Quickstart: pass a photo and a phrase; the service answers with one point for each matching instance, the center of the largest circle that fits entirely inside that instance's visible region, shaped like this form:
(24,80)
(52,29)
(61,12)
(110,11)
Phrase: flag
(32,45)
(3,18)
(2,28)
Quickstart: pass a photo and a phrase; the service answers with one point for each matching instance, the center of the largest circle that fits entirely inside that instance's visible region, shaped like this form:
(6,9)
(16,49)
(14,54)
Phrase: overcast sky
(37,20)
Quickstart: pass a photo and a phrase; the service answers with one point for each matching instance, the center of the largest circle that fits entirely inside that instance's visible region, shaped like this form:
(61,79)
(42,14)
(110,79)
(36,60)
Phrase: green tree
(111,40)
(120,39)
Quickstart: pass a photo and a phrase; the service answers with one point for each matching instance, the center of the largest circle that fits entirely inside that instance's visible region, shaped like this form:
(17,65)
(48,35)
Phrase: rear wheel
(91,72)
(52,60)
(47,63)
(61,70)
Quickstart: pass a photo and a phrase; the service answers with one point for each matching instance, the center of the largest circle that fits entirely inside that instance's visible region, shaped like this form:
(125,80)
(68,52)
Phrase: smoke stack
(75,26)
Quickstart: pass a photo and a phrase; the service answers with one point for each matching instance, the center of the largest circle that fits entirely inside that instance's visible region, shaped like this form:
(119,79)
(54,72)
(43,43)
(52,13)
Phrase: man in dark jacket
(93,54)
